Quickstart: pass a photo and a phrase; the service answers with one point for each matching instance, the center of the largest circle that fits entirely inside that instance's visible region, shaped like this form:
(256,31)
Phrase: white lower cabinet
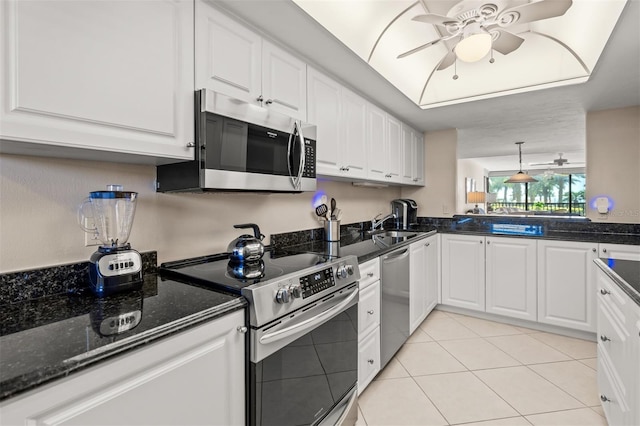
(463,267)
(511,277)
(368,323)
(619,251)
(618,353)
(566,284)
(108,80)
(423,275)
(196,377)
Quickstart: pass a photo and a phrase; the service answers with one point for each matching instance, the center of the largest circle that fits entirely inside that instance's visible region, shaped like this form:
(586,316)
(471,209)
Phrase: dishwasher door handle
(396,255)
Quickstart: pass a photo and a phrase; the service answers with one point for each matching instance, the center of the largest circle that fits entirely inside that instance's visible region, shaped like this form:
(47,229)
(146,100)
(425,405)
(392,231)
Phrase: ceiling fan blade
(447,61)
(543,9)
(419,48)
(433,19)
(506,42)
(541,164)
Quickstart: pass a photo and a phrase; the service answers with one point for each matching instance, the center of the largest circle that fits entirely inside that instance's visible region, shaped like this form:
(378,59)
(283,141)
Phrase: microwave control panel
(310,158)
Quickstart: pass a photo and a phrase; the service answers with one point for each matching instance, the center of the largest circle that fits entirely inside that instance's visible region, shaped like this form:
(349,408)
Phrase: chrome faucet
(375,222)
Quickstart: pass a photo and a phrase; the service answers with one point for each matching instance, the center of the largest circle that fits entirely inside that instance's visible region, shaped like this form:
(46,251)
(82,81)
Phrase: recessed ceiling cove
(443,52)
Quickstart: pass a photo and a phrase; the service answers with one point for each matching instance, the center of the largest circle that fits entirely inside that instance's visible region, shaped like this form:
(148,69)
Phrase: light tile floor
(456,369)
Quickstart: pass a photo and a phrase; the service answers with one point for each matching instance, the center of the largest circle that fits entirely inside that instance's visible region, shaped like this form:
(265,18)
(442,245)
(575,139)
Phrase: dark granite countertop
(625,273)
(360,244)
(47,338)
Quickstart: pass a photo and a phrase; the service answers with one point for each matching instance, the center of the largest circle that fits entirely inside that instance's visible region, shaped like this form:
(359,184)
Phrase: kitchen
(41,192)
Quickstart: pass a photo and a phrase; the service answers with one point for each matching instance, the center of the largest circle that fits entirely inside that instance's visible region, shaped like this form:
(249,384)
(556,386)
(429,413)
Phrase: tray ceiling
(557,51)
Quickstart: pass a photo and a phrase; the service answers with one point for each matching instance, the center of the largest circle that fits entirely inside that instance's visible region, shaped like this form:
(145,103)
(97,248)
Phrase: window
(556,193)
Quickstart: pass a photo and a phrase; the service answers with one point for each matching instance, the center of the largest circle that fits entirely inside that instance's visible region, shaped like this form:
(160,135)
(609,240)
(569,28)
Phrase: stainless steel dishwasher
(394,309)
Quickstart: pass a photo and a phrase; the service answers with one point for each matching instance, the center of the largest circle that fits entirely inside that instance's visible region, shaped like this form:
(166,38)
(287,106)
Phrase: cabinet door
(418,159)
(511,277)
(463,268)
(228,55)
(368,359)
(324,112)
(394,150)
(566,284)
(432,273)
(177,380)
(369,309)
(407,154)
(353,123)
(619,251)
(284,82)
(418,285)
(109,76)
(376,143)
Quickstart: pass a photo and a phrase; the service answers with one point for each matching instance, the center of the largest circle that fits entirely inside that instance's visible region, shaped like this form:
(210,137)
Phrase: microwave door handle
(289,158)
(302,156)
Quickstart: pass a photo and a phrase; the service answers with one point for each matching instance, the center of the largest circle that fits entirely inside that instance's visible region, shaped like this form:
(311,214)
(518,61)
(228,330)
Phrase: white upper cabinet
(412,156)
(233,60)
(566,284)
(341,118)
(324,112)
(377,142)
(394,150)
(418,158)
(88,79)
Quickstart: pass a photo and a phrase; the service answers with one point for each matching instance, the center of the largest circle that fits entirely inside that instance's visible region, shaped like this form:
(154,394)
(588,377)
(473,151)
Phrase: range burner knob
(344,271)
(295,291)
(283,295)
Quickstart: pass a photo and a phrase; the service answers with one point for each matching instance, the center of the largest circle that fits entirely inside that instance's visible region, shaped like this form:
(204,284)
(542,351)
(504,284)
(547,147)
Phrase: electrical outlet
(90,238)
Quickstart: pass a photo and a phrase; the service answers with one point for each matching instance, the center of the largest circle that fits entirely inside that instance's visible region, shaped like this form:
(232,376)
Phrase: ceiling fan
(480,26)
(556,161)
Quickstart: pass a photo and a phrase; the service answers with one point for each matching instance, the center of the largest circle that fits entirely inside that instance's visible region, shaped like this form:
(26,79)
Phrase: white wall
(469,169)
(613,163)
(39,199)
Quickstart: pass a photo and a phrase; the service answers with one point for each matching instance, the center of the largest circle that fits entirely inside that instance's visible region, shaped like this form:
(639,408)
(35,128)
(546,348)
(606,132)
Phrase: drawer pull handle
(370,312)
(605,339)
(604,292)
(370,274)
(603,398)
(370,361)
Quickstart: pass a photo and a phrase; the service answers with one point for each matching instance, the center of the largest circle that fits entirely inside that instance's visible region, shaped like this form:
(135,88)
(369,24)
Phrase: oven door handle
(310,323)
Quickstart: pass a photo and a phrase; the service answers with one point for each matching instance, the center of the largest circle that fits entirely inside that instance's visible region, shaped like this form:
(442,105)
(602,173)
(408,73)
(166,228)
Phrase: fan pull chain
(455,69)
(491,60)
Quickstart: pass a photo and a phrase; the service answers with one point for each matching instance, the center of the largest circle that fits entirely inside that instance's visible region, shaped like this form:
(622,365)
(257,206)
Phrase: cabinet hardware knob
(604,250)
(604,292)
(594,250)
(603,398)
(415,179)
(191,145)
(488,242)
(369,274)
(260,99)
(427,245)
(370,312)
(269,101)
(370,361)
(242,329)
(480,241)
(605,339)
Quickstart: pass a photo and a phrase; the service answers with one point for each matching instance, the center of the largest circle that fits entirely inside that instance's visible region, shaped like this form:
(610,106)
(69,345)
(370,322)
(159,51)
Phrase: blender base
(115,270)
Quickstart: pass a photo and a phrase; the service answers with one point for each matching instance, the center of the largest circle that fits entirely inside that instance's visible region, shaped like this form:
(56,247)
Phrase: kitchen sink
(393,234)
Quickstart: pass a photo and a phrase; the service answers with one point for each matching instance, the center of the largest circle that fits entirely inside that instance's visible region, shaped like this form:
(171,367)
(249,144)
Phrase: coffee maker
(406,211)
(115,266)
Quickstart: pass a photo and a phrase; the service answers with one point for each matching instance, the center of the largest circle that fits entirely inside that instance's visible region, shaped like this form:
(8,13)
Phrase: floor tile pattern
(461,370)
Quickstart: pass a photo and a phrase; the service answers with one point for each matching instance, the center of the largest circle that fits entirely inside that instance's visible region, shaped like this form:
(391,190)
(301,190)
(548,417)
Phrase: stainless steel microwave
(243,147)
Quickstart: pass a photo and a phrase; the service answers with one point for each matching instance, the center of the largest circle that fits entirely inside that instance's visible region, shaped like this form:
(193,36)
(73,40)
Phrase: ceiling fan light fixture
(475,45)
(520,177)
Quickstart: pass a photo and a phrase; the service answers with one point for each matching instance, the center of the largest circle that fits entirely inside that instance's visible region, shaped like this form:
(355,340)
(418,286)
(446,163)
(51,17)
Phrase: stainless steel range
(303,351)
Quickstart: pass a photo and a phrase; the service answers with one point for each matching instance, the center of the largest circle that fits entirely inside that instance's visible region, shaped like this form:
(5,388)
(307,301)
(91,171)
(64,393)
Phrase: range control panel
(317,282)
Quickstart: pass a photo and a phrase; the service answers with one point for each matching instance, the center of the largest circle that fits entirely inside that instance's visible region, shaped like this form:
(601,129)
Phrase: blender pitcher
(114,266)
(112,211)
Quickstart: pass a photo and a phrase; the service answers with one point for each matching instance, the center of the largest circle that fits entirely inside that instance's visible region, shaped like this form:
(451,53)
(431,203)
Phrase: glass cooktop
(218,271)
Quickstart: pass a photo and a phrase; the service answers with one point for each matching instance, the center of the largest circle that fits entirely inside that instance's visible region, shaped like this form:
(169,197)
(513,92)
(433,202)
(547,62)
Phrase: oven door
(304,367)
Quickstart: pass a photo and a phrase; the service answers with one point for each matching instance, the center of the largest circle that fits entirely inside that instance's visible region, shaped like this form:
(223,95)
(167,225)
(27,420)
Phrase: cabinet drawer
(369,309)
(615,406)
(612,296)
(369,272)
(619,251)
(368,359)
(613,339)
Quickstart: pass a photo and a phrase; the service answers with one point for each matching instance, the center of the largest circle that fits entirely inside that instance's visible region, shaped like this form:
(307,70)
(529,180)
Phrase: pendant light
(520,177)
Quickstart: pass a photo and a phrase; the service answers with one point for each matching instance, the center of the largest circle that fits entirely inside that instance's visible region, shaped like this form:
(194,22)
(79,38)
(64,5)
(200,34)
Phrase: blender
(115,266)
